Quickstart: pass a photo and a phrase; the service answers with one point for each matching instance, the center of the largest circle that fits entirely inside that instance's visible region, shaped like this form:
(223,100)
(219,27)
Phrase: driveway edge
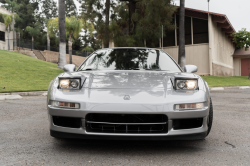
(32,93)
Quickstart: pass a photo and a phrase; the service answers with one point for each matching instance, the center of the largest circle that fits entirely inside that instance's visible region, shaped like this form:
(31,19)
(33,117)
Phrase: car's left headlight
(186,84)
(69,83)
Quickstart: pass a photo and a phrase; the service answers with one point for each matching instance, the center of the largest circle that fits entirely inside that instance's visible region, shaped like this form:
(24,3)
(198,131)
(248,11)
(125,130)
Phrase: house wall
(221,50)
(4,45)
(237,66)
(195,55)
(4,11)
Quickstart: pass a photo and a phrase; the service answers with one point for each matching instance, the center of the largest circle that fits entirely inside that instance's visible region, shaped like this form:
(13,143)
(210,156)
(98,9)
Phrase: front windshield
(129,59)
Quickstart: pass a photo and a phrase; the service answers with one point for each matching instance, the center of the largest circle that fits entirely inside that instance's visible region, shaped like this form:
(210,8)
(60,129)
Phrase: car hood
(128,79)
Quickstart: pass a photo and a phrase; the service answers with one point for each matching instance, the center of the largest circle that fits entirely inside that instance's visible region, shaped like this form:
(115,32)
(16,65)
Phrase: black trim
(58,134)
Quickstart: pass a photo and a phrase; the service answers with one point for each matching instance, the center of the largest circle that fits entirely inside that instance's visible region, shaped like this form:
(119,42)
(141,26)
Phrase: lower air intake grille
(67,122)
(127,123)
(179,124)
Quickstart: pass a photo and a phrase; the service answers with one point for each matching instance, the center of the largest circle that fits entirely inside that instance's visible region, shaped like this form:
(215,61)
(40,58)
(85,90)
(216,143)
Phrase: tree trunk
(106,38)
(32,44)
(19,40)
(13,28)
(132,6)
(48,41)
(62,32)
(181,56)
(8,37)
(70,49)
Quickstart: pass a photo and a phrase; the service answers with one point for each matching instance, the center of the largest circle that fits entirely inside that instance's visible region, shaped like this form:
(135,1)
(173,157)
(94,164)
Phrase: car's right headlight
(69,83)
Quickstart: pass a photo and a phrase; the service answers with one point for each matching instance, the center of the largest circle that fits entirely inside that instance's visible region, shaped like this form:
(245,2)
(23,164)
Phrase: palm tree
(7,22)
(62,34)
(32,31)
(48,39)
(181,56)
(106,41)
(73,28)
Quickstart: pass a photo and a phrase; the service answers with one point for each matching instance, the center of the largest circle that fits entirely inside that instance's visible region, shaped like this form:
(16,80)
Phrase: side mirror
(190,68)
(69,68)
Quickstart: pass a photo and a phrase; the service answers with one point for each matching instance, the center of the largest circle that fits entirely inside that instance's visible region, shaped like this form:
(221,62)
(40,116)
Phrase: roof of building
(4,11)
(240,53)
(221,19)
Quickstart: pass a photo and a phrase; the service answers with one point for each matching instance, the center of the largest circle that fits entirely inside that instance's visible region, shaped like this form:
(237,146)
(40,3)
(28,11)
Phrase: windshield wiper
(136,69)
(89,69)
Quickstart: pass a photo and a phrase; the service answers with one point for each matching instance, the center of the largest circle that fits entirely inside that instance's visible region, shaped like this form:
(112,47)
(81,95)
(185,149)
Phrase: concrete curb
(34,93)
(229,88)
(10,97)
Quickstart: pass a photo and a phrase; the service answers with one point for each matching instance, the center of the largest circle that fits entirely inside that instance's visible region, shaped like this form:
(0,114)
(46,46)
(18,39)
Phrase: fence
(27,45)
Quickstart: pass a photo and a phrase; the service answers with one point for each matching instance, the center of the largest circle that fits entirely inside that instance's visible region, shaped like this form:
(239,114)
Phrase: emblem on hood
(126,97)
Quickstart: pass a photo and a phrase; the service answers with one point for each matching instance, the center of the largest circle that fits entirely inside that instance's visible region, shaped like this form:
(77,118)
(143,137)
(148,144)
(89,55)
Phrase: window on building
(2,36)
(188,36)
(200,30)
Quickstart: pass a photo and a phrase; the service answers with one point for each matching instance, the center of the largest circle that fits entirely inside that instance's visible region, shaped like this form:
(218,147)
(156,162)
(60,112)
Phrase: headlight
(195,106)
(65,83)
(186,84)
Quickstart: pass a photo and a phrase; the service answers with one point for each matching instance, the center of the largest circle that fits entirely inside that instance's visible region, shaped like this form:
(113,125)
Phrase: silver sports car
(129,93)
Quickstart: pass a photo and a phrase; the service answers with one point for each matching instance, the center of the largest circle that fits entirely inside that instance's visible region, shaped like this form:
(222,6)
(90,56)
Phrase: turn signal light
(189,106)
(65,104)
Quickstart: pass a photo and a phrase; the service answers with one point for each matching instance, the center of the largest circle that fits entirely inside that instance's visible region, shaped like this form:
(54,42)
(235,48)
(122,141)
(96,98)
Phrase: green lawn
(20,73)
(214,81)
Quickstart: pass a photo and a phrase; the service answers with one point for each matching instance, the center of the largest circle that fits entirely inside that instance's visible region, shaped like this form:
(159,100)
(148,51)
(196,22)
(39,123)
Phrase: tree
(33,32)
(99,12)
(70,8)
(26,12)
(107,11)
(49,9)
(242,39)
(145,24)
(181,56)
(7,22)
(62,34)
(73,28)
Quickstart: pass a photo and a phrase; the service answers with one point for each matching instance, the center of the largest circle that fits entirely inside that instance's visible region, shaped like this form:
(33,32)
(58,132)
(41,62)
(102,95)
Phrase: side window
(166,63)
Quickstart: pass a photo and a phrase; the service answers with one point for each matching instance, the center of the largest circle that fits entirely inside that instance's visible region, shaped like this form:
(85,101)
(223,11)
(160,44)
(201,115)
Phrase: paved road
(25,140)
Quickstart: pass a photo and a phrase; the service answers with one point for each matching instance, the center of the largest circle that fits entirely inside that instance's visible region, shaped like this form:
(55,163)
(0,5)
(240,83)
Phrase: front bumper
(172,134)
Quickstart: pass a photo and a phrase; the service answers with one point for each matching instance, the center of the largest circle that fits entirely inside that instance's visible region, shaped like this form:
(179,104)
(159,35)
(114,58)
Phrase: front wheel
(210,117)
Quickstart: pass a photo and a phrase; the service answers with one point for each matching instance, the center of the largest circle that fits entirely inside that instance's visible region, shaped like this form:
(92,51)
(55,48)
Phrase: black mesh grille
(67,122)
(179,124)
(127,123)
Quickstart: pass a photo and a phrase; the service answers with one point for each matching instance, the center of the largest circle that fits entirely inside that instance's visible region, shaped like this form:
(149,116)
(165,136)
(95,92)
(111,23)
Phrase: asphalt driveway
(25,139)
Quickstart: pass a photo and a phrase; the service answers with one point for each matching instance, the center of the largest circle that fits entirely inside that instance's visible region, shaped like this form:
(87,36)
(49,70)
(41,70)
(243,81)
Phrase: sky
(237,11)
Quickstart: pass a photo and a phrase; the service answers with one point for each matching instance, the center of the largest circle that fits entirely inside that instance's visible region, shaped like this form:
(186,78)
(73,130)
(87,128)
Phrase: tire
(210,117)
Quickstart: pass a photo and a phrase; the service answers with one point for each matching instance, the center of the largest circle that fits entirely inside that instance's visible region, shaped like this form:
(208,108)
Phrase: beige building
(4,33)
(208,40)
